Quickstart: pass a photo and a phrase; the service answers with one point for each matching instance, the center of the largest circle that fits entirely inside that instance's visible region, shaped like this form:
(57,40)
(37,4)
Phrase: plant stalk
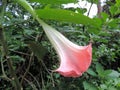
(15,81)
(99,8)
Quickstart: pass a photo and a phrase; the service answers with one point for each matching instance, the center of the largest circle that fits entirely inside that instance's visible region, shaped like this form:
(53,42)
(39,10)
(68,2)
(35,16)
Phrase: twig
(2,66)
(27,70)
(43,84)
(3,71)
(89,9)
(31,58)
(15,80)
(22,53)
(35,79)
(31,84)
(48,72)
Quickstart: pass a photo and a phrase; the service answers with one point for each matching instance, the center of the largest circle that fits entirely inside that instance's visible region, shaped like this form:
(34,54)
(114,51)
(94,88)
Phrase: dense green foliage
(29,48)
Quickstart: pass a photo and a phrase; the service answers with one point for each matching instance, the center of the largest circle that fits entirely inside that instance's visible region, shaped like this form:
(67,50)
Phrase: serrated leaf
(54,1)
(66,16)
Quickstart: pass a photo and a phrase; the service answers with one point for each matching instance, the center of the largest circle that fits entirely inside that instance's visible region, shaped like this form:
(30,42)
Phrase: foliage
(30,49)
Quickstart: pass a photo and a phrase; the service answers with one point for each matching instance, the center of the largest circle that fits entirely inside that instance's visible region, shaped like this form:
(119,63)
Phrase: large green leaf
(54,1)
(66,16)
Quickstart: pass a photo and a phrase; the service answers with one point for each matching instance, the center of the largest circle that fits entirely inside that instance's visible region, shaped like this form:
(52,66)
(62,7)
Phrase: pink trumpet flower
(74,59)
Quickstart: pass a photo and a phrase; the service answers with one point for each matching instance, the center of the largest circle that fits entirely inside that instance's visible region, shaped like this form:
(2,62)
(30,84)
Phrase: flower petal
(76,63)
(74,59)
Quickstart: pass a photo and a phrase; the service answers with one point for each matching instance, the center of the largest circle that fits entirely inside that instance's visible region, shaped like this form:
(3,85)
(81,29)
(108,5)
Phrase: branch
(99,8)
(28,67)
(15,83)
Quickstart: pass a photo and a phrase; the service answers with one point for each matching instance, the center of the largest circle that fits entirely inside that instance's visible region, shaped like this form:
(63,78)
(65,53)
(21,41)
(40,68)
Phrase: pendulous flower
(74,59)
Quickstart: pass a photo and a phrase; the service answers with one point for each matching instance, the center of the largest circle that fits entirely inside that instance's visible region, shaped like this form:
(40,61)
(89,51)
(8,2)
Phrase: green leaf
(99,69)
(114,74)
(66,16)
(105,16)
(93,1)
(114,10)
(93,30)
(118,3)
(113,23)
(37,49)
(89,86)
(107,72)
(91,72)
(112,88)
(17,58)
(54,1)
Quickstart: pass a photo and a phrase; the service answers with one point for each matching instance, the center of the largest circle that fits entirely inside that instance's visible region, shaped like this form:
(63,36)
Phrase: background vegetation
(23,42)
